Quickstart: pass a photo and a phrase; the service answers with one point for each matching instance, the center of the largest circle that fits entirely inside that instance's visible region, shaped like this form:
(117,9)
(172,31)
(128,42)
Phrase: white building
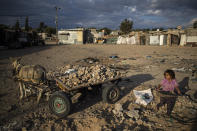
(71,36)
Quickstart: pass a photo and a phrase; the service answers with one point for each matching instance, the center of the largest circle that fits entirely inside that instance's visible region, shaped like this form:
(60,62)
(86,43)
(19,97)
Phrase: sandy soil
(145,67)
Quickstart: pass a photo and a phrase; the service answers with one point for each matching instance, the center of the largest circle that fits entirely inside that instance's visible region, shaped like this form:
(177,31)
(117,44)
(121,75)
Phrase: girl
(168,85)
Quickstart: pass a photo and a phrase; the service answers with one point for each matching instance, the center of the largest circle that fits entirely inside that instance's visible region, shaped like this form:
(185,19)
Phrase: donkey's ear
(11,59)
(19,59)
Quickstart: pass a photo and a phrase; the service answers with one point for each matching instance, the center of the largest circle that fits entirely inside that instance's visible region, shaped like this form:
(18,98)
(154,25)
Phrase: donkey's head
(15,64)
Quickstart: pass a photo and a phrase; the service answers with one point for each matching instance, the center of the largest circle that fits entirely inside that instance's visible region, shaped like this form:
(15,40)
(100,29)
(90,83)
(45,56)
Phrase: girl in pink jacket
(167,86)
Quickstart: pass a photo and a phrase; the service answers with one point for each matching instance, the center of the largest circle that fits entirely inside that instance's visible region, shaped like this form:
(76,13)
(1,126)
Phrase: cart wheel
(110,94)
(60,104)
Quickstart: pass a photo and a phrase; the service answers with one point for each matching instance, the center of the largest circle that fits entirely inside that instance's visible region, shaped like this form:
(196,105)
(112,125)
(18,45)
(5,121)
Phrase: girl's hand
(179,93)
(158,88)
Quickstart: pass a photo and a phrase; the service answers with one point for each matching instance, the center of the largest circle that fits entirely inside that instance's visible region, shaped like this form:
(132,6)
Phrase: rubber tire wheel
(66,99)
(106,92)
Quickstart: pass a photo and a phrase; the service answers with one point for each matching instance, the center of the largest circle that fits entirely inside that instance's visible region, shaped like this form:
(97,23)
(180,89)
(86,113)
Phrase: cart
(60,101)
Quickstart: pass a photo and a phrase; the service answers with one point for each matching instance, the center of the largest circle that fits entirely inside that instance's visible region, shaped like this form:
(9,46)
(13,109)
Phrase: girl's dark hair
(170,72)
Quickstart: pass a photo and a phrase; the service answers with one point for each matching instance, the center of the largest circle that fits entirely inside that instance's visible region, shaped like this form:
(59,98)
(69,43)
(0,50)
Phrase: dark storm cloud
(101,13)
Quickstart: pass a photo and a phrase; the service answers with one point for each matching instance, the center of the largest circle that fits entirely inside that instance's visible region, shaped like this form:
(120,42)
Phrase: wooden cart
(60,101)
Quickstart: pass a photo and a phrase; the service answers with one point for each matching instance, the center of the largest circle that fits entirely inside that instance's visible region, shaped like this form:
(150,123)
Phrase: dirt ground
(145,67)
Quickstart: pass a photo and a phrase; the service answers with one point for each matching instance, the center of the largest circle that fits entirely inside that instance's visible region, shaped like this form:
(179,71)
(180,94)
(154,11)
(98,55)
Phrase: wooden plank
(65,88)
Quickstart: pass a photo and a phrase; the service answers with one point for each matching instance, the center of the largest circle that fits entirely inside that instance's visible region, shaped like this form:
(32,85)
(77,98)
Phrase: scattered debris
(131,58)
(143,97)
(148,56)
(69,71)
(139,122)
(194,76)
(163,60)
(117,109)
(114,56)
(9,126)
(118,112)
(179,70)
(133,114)
(90,60)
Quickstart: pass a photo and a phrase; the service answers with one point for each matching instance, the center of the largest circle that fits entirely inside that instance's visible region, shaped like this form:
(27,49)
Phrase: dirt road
(146,65)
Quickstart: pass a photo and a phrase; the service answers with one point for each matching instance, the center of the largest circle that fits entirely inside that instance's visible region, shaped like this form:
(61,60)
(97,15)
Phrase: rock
(163,60)
(131,121)
(118,107)
(118,111)
(79,74)
(133,106)
(139,122)
(148,124)
(109,109)
(179,69)
(133,114)
(12,124)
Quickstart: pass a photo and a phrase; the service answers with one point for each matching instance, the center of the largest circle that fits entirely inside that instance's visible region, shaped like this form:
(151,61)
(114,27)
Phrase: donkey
(29,73)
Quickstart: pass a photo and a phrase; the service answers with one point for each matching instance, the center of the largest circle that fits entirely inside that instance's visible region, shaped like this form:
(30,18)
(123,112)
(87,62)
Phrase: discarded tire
(111,94)
(60,104)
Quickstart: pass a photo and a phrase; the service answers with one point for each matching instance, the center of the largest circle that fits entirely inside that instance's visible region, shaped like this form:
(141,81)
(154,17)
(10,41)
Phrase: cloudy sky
(100,13)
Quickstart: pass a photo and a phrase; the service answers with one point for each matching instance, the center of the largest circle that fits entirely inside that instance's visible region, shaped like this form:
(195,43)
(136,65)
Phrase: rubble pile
(184,103)
(80,75)
(151,118)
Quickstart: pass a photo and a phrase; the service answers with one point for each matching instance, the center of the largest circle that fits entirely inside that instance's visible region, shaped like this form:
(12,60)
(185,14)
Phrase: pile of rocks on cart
(77,75)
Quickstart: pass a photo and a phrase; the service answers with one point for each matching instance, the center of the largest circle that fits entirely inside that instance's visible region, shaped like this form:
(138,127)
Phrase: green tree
(2,27)
(50,30)
(146,29)
(27,24)
(154,29)
(41,27)
(161,28)
(195,24)
(17,25)
(126,26)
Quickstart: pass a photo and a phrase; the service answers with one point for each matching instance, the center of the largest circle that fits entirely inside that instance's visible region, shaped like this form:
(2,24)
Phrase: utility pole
(56,21)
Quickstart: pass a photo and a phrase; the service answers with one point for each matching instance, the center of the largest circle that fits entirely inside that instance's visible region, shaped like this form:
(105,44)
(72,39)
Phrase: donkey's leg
(39,95)
(21,90)
(24,89)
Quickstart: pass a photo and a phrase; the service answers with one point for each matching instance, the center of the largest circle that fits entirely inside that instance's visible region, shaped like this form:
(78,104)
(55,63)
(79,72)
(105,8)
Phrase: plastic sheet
(143,97)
